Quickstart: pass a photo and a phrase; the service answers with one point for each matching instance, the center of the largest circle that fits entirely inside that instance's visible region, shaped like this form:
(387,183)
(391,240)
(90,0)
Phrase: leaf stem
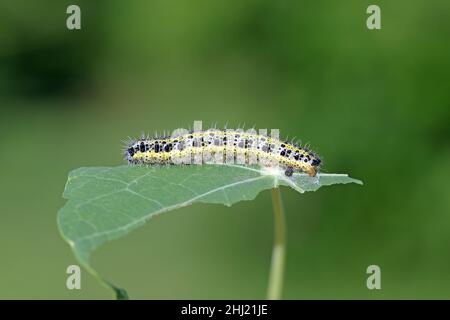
(279,248)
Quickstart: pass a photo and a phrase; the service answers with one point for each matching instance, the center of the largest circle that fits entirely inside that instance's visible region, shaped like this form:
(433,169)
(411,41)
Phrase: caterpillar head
(309,162)
(313,165)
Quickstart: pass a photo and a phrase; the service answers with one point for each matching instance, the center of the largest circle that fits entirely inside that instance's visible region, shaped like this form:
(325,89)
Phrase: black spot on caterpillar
(223,146)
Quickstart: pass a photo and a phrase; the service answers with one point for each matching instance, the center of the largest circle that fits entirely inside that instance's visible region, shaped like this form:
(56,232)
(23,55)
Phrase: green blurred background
(374,104)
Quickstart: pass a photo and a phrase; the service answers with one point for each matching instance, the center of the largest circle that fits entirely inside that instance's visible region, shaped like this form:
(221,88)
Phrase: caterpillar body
(223,146)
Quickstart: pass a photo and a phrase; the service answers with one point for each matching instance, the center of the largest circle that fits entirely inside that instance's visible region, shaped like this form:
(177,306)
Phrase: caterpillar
(223,146)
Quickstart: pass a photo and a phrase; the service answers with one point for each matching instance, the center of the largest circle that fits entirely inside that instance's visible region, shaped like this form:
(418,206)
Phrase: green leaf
(107,203)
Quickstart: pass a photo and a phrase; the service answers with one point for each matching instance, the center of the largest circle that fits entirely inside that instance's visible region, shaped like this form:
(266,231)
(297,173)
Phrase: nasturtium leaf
(106,203)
